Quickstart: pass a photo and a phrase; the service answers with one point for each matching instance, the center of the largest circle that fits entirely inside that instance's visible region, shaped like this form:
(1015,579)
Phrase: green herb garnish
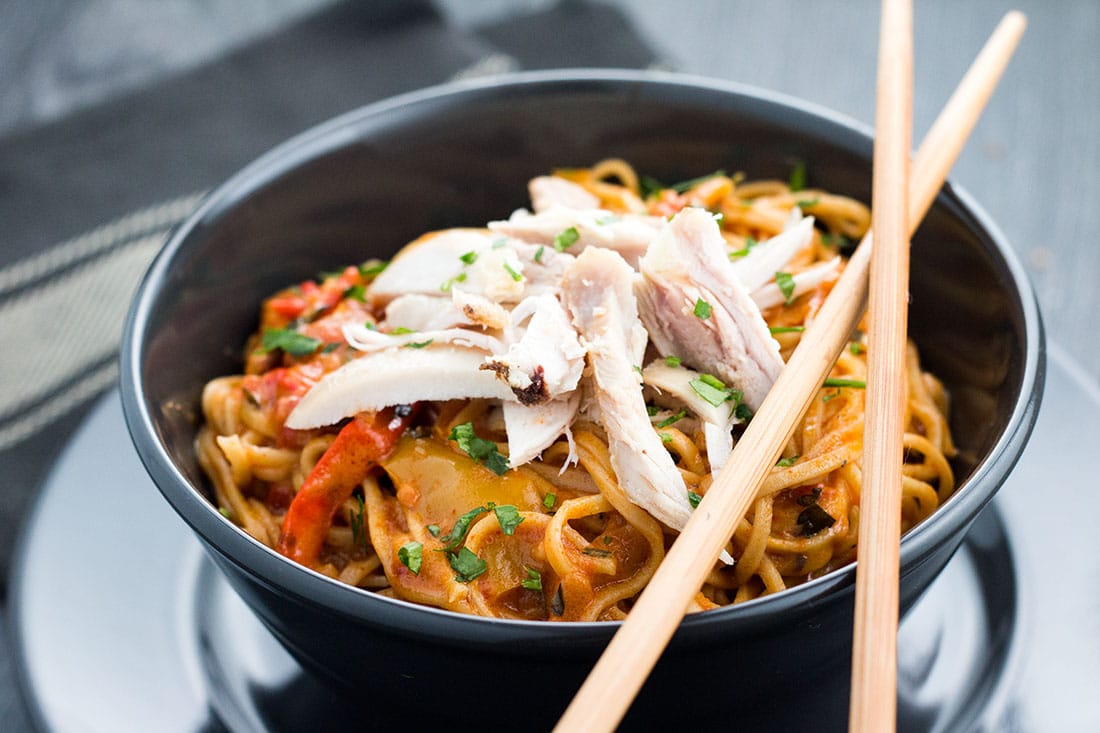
(289,340)
(479,449)
(807,203)
(712,394)
(358,527)
(673,361)
(538,254)
(750,242)
(453,539)
(566,239)
(356,292)
(785,281)
(548,500)
(533,581)
(837,382)
(786,329)
(787,462)
(411,555)
(515,275)
(509,518)
(685,186)
(702,309)
(694,499)
(433,530)
(673,420)
(469,258)
(466,565)
(372,268)
(797,181)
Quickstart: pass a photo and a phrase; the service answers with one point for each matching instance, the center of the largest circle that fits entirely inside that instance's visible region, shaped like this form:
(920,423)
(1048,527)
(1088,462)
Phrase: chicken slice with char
(597,290)
(687,271)
(396,376)
(546,361)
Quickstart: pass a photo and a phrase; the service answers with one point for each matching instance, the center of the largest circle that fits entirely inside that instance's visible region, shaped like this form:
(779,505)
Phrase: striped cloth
(62,305)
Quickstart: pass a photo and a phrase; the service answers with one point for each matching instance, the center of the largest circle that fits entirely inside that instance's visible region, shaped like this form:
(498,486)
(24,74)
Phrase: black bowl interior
(365,184)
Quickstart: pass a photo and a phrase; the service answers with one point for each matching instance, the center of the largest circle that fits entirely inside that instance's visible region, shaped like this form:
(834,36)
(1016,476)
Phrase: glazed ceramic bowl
(366,183)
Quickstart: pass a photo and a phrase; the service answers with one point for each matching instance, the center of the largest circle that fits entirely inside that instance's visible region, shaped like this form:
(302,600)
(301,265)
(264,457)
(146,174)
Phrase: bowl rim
(283,576)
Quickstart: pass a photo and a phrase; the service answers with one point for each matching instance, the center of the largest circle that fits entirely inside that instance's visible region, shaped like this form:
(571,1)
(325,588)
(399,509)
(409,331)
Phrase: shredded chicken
(694,307)
(549,191)
(597,291)
(627,234)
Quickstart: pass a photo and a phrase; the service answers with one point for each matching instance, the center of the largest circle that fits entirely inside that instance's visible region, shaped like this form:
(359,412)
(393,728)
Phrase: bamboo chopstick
(873,704)
(618,675)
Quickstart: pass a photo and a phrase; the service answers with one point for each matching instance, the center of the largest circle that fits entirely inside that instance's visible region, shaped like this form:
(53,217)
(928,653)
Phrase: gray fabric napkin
(86,201)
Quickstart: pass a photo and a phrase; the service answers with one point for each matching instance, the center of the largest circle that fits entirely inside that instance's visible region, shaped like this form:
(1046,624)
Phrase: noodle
(558,538)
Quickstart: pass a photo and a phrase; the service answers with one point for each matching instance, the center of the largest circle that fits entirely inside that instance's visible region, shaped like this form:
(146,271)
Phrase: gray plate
(121,623)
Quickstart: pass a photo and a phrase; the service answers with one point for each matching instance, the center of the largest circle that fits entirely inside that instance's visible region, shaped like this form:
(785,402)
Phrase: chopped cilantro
(702,309)
(673,361)
(225,512)
(694,499)
(358,533)
(479,449)
(830,396)
(785,281)
(652,410)
(786,329)
(837,382)
(401,330)
(742,411)
(329,348)
(459,278)
(673,420)
(750,242)
(548,500)
(665,438)
(649,186)
(714,395)
(807,203)
(433,530)
(466,565)
(787,462)
(411,555)
(533,581)
(453,539)
(685,186)
(469,258)
(637,368)
(538,254)
(370,326)
(515,275)
(374,267)
(356,292)
(566,239)
(419,345)
(797,181)
(713,381)
(856,348)
(289,340)
(509,518)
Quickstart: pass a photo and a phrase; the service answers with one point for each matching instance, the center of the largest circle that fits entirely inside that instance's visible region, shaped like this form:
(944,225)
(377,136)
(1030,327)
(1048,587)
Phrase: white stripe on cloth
(101,239)
(59,405)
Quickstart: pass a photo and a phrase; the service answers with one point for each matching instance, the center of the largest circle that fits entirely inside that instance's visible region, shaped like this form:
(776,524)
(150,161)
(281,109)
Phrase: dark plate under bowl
(366,183)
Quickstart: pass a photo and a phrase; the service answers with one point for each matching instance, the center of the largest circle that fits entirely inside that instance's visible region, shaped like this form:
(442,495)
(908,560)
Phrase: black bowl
(366,183)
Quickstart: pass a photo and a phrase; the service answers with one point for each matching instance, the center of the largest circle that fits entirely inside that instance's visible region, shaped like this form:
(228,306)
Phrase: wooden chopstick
(606,694)
(873,705)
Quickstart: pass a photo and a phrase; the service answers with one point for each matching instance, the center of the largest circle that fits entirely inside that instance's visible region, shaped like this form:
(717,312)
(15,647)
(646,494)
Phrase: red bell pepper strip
(362,443)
